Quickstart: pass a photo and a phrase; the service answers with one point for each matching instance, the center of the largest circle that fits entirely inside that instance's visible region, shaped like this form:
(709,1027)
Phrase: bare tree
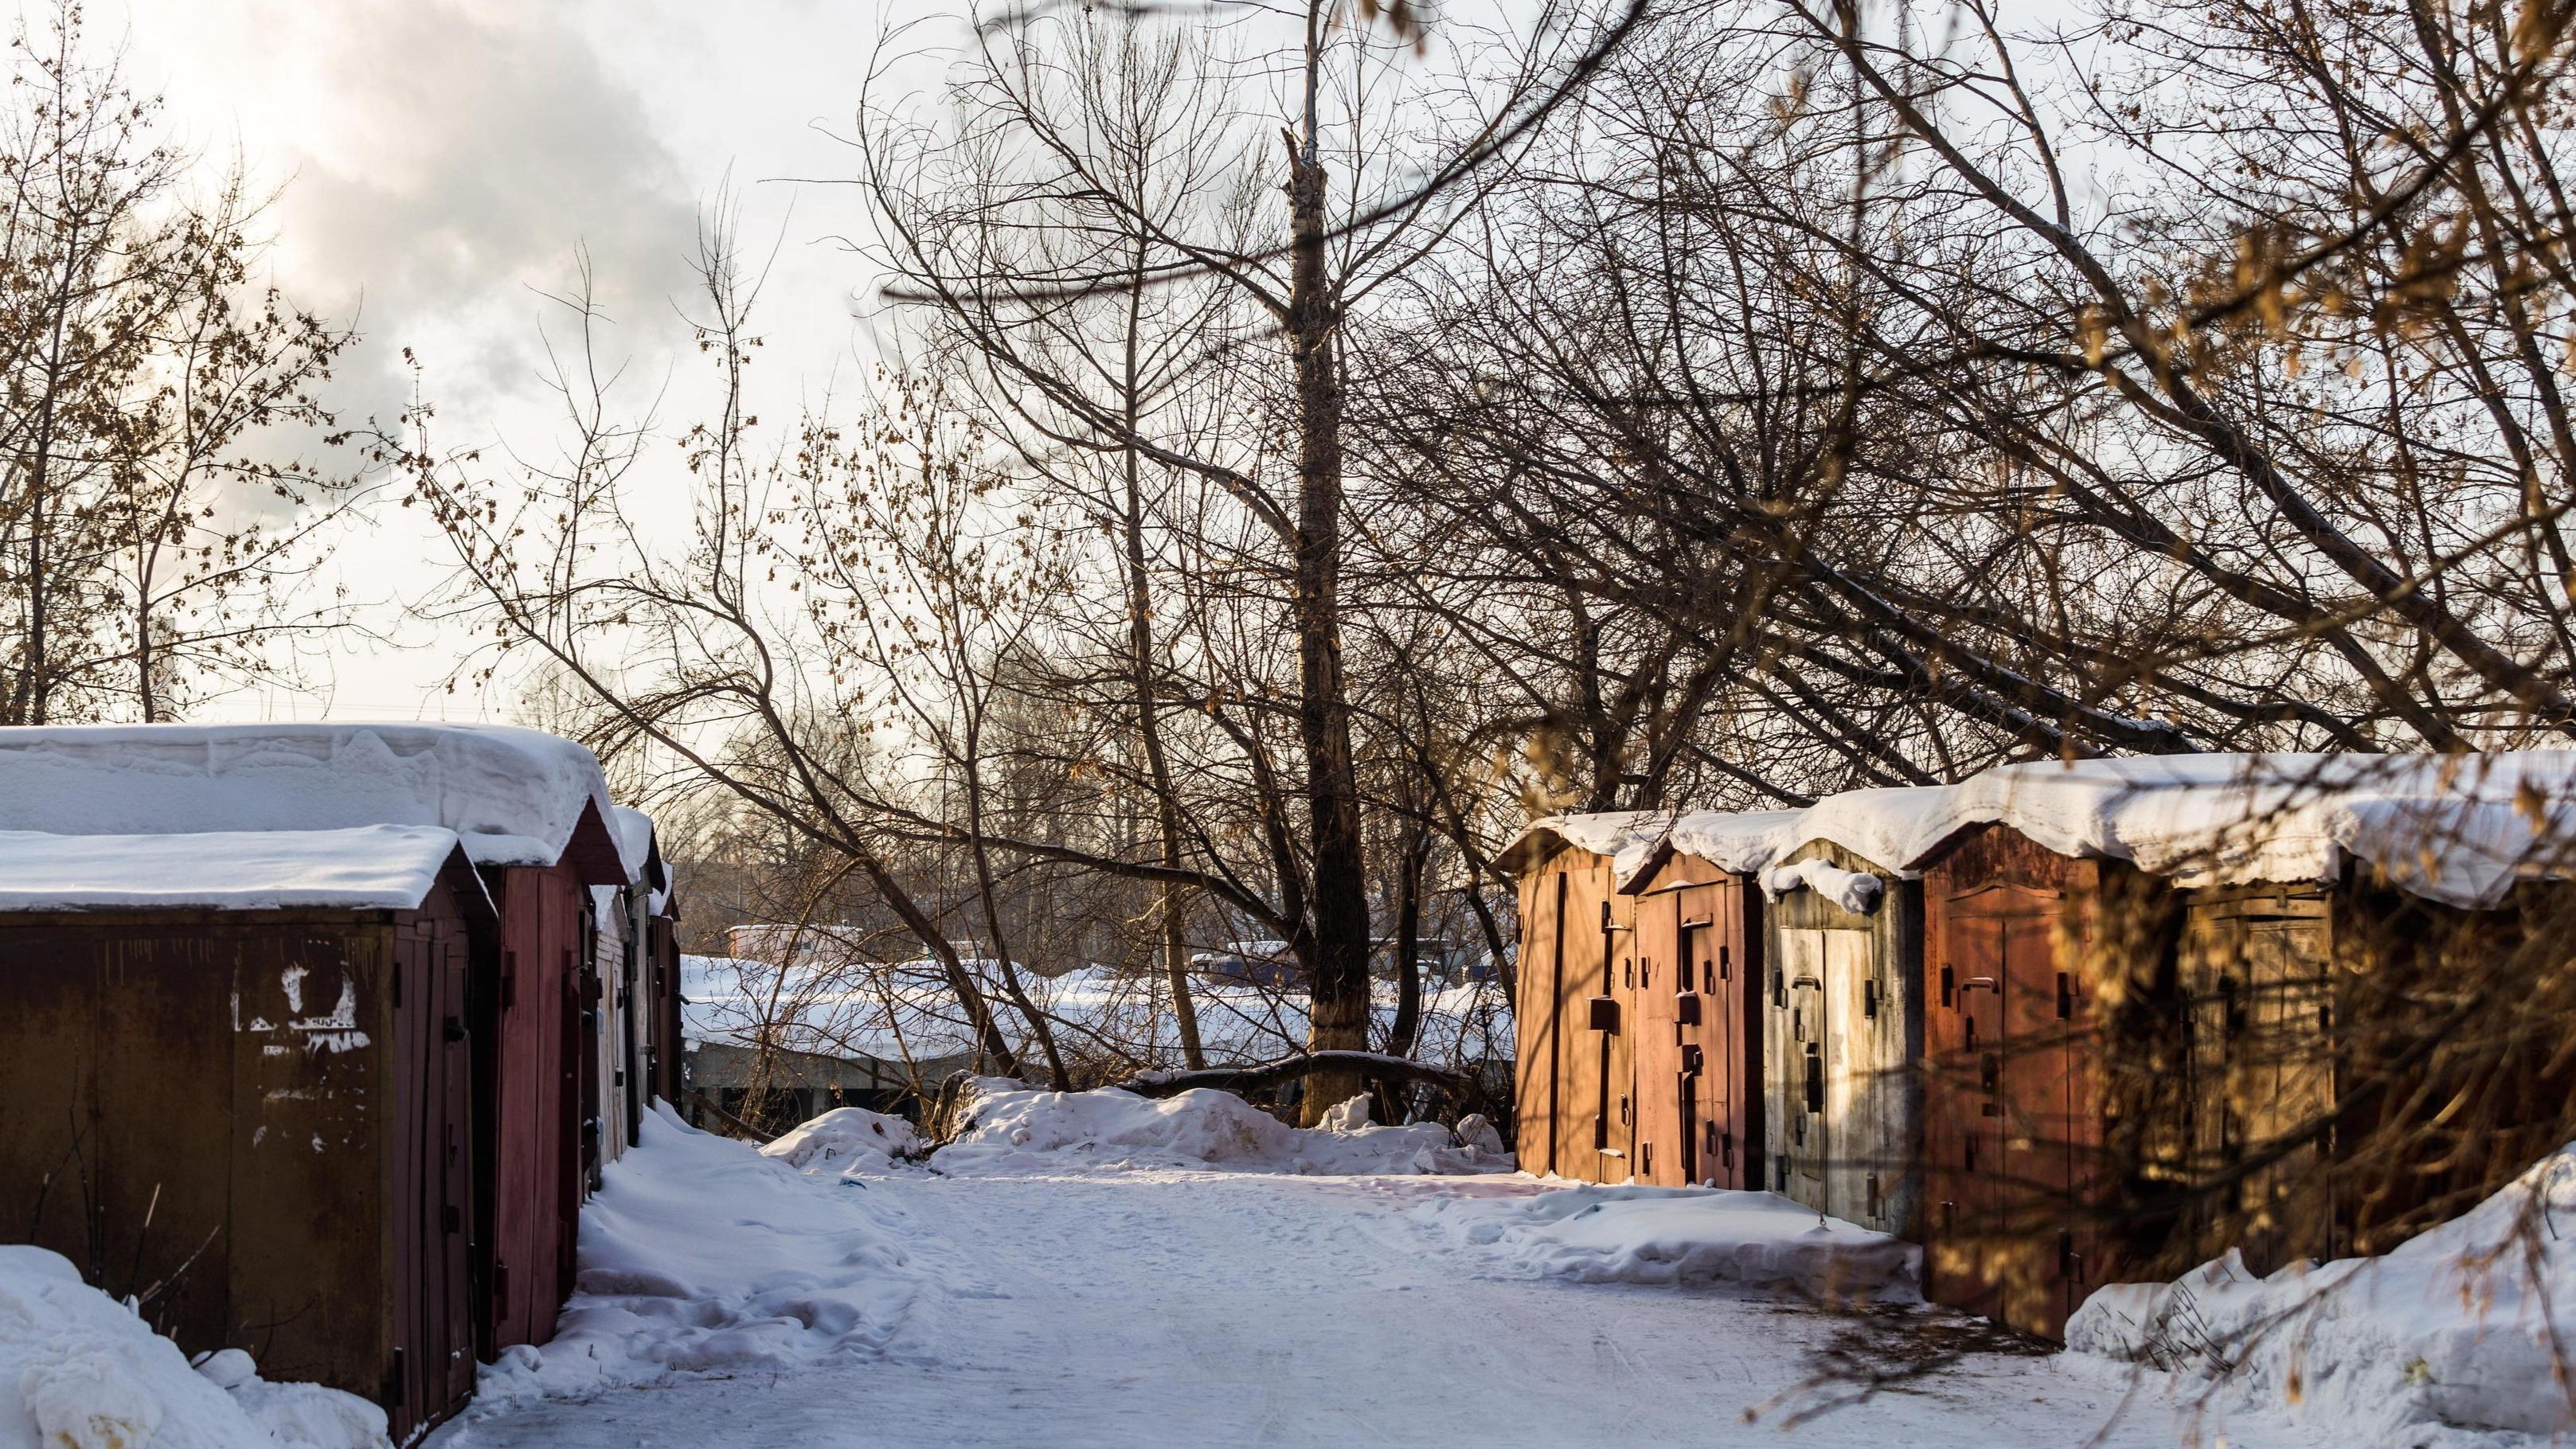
(1092,167)
(157,531)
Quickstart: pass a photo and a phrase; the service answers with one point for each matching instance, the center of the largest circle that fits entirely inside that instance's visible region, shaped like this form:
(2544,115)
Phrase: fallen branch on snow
(1289,1069)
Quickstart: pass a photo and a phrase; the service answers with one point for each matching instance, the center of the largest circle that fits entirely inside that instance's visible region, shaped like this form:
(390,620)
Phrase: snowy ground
(1105,1299)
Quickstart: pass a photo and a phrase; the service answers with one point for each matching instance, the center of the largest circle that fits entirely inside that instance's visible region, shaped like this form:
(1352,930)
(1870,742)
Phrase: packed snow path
(1157,1307)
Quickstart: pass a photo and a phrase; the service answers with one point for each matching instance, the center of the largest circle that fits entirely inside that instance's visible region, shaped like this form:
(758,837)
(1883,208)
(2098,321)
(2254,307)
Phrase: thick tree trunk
(1176,954)
(1339,959)
(146,697)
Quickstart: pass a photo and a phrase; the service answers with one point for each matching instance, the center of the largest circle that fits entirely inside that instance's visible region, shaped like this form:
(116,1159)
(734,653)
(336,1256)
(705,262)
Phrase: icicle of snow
(1854,891)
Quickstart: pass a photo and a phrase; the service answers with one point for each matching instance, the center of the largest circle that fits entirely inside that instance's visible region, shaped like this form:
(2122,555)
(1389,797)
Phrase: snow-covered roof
(2453,828)
(1608,832)
(513,796)
(1739,841)
(640,843)
(637,845)
(374,867)
(1892,827)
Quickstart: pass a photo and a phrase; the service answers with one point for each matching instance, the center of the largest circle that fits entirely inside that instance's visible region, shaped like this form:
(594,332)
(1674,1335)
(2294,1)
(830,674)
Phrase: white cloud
(440,158)
(440,162)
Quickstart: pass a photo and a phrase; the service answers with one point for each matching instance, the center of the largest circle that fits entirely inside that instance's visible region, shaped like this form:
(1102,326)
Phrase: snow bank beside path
(1015,1129)
(2452,1331)
(847,1140)
(700,1255)
(1686,1237)
(78,1370)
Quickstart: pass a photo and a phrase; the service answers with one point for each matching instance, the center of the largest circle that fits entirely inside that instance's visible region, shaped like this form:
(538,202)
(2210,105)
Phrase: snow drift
(2458,1328)
(1685,1237)
(701,1255)
(1015,1129)
(847,1140)
(78,1370)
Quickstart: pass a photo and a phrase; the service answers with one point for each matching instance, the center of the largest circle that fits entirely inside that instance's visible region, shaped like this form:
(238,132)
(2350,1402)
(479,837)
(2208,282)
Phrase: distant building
(766,1044)
(1251,963)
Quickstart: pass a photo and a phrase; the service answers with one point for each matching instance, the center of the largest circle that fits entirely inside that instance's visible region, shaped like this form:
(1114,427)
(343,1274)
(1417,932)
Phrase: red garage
(530,812)
(240,1094)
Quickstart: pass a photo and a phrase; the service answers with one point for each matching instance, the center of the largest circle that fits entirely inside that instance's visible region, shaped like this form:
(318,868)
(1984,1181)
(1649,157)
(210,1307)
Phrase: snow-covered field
(838,1002)
(1104,1270)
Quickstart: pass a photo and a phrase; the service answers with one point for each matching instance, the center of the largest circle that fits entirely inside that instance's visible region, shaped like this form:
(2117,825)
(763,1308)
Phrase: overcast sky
(442,159)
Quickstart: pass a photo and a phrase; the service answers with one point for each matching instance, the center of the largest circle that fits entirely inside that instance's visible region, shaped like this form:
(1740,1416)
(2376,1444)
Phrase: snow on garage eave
(513,796)
(373,867)
(640,846)
(640,842)
(1605,832)
(1737,842)
(1856,891)
(2457,829)
(1892,827)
